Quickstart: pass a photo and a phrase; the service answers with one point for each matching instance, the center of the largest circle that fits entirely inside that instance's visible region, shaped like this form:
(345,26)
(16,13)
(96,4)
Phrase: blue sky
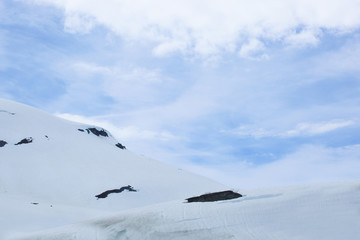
(250,94)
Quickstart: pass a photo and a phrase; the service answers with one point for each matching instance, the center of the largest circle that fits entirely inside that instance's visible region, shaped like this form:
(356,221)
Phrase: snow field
(311,212)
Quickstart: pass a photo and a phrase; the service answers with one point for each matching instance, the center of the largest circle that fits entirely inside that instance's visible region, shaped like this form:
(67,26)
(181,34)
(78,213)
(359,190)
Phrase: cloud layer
(205,28)
(309,164)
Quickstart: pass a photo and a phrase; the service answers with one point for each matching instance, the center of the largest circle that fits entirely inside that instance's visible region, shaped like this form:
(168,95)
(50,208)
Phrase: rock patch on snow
(2,143)
(4,111)
(25,141)
(106,193)
(100,133)
(215,196)
(119,145)
(95,131)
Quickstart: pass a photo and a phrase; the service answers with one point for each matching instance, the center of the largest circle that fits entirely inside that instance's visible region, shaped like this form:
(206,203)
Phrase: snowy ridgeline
(61,162)
(52,171)
(311,212)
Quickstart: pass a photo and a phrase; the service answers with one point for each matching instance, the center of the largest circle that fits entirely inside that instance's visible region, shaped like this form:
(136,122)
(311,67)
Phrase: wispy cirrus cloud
(301,129)
(310,129)
(133,86)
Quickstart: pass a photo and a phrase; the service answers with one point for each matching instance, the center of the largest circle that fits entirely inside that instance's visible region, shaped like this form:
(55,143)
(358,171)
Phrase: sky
(249,93)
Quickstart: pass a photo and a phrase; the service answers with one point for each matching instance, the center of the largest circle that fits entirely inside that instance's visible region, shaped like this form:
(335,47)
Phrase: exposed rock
(216,196)
(11,113)
(95,131)
(2,143)
(25,141)
(106,193)
(119,145)
(98,133)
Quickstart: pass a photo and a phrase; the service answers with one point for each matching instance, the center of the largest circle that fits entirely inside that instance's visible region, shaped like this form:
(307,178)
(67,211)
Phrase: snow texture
(311,212)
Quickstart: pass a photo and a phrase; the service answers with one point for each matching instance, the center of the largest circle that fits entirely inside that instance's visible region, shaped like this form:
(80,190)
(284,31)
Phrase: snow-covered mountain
(53,162)
(51,169)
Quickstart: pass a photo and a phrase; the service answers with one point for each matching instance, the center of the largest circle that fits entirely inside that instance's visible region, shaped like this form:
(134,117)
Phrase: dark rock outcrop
(2,143)
(98,133)
(119,145)
(216,196)
(25,141)
(106,193)
(95,131)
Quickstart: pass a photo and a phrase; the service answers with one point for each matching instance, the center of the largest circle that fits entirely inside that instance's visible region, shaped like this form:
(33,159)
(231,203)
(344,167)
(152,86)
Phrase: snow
(48,188)
(325,211)
(63,166)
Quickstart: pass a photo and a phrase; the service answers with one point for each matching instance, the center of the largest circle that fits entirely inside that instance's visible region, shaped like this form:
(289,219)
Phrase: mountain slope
(305,212)
(51,169)
(55,162)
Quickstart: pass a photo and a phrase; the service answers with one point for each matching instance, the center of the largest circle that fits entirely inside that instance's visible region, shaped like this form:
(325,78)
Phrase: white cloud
(251,131)
(308,164)
(342,60)
(303,38)
(78,23)
(317,128)
(130,86)
(205,28)
(88,69)
(125,133)
(81,119)
(301,129)
(253,50)
(167,48)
